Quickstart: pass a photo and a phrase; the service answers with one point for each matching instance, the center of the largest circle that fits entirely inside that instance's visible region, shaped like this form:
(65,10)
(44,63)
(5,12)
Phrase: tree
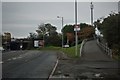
(32,35)
(110,29)
(50,29)
(42,30)
(86,32)
(48,33)
(46,29)
(83,25)
(53,40)
(68,29)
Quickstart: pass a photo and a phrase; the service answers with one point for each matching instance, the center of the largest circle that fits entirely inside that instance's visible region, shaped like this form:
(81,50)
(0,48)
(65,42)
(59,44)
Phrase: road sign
(77,28)
(36,42)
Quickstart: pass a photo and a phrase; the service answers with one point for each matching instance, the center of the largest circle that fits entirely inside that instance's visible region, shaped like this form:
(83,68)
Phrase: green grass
(50,48)
(116,57)
(71,51)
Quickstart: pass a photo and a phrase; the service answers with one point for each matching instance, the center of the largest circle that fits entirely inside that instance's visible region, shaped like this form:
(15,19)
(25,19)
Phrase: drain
(67,75)
(81,77)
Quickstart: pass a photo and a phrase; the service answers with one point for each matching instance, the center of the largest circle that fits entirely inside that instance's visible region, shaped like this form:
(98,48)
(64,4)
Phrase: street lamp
(62,28)
(91,7)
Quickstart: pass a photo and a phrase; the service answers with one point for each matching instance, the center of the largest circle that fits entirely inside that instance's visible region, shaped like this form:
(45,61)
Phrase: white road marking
(9,59)
(19,57)
(51,74)
(14,58)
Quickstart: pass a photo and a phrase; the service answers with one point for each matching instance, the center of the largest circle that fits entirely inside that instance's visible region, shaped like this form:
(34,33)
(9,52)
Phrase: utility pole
(76,36)
(91,6)
(62,34)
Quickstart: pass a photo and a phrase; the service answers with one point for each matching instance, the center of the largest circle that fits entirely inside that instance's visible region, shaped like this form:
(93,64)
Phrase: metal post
(43,40)
(62,33)
(76,36)
(91,6)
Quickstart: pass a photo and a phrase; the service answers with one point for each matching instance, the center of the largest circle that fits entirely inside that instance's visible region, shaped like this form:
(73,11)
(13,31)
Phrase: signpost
(77,28)
(36,43)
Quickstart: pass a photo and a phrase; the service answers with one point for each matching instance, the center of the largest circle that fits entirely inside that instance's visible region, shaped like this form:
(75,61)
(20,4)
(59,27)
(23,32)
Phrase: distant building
(70,37)
(7,37)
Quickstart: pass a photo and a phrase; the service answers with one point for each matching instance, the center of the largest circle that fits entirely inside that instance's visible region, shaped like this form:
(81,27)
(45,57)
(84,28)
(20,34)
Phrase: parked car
(2,49)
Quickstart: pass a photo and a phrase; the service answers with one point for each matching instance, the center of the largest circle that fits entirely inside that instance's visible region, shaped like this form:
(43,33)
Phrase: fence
(107,50)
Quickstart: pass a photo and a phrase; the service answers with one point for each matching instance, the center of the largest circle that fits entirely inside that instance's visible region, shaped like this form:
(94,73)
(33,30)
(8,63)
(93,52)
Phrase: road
(28,64)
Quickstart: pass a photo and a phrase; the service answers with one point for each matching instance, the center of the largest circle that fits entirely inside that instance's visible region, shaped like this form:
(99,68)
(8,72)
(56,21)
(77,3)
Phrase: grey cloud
(0,17)
(20,18)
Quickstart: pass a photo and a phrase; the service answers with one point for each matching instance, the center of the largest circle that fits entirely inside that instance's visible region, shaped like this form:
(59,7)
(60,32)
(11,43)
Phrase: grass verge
(68,51)
(52,48)
(116,57)
(71,51)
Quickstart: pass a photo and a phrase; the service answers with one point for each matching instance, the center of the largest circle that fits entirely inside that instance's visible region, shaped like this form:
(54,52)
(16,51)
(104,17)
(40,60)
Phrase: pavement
(92,52)
(93,64)
(30,64)
(94,58)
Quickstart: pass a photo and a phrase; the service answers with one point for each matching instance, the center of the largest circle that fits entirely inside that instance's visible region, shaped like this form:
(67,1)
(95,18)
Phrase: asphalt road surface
(28,64)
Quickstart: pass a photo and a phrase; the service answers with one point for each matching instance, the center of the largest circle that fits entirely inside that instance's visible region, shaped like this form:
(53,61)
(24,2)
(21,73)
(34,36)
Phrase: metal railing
(107,50)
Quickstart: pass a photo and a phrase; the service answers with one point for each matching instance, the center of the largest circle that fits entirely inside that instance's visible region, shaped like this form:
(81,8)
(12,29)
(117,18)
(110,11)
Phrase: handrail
(107,50)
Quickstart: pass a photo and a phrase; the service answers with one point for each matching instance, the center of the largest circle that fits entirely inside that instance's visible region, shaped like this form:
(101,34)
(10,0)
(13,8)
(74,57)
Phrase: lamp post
(61,30)
(91,6)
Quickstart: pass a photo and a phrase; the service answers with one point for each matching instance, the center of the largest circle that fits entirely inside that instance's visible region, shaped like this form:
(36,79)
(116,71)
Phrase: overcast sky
(21,18)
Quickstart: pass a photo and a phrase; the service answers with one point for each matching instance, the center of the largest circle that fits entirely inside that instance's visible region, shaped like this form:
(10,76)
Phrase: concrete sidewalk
(94,60)
(92,52)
